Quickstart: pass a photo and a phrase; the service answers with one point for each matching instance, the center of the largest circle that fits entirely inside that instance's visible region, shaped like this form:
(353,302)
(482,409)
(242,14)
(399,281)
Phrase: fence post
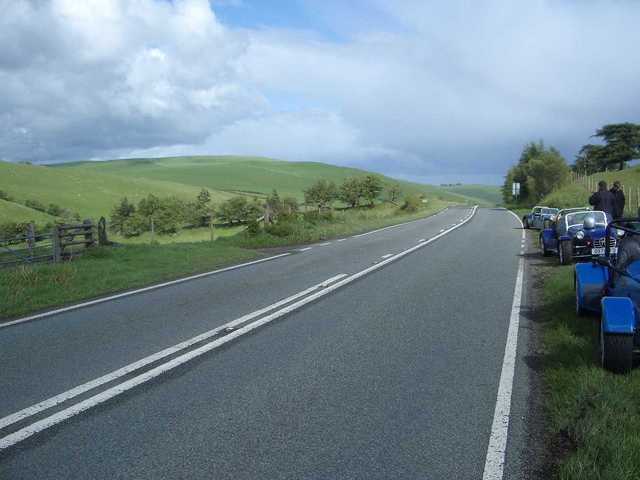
(88,233)
(31,239)
(56,244)
(102,232)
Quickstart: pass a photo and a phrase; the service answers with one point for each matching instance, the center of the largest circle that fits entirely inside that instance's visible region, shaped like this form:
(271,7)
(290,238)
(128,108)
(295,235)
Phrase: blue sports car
(537,217)
(611,285)
(575,233)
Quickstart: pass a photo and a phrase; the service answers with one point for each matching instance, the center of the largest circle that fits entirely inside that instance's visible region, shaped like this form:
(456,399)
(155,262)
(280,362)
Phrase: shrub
(5,196)
(55,210)
(253,228)
(281,229)
(36,205)
(411,204)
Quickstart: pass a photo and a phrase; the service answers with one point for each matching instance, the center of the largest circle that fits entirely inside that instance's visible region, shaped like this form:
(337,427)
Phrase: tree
(321,194)
(239,210)
(591,159)
(393,193)
(272,207)
(371,188)
(200,212)
(290,206)
(546,172)
(622,143)
(121,216)
(350,192)
(539,170)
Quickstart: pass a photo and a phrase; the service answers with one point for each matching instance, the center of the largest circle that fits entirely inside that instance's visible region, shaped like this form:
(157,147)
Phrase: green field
(577,193)
(14,212)
(240,174)
(593,415)
(484,195)
(92,188)
(91,194)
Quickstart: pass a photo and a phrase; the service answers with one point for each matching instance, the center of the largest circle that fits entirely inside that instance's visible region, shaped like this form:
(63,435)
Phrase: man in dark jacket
(618,200)
(603,200)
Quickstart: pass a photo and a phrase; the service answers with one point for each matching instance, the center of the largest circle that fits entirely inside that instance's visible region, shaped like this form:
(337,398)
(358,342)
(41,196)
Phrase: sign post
(515,188)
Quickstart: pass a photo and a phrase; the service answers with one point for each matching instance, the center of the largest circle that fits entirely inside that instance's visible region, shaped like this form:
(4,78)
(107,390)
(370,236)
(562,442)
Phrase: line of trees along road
(169,214)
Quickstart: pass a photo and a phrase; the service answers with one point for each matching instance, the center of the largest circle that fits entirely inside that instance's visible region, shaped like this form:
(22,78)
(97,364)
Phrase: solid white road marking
(341,239)
(388,255)
(135,292)
(422,240)
(304,249)
(325,244)
(497,449)
(102,397)
(116,374)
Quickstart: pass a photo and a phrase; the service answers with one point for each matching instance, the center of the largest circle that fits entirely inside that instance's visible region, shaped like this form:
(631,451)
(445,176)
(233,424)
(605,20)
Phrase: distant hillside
(486,195)
(88,192)
(14,212)
(240,174)
(577,193)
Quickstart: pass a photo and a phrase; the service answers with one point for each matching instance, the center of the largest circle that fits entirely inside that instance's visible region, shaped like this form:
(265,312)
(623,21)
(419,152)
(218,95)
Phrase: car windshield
(549,211)
(578,218)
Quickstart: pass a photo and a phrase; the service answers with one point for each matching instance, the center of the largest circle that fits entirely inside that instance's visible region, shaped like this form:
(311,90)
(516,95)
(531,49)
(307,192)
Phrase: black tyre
(543,248)
(525,223)
(565,252)
(617,352)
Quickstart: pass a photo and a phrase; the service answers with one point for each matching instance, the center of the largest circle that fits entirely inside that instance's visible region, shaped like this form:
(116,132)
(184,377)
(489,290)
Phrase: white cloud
(419,90)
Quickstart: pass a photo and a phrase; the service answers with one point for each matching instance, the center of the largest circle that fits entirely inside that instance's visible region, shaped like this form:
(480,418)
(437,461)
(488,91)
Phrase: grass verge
(106,270)
(594,415)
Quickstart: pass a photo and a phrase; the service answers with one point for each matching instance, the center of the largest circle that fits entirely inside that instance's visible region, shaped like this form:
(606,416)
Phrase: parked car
(575,233)
(610,285)
(537,217)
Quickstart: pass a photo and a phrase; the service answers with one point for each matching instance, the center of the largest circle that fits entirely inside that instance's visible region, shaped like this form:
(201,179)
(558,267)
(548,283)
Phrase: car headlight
(619,233)
(580,235)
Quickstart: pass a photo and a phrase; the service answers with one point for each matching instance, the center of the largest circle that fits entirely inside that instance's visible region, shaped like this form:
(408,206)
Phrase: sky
(429,91)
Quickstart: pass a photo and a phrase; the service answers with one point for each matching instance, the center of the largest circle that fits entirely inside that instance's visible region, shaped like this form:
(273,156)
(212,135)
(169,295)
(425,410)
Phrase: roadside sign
(516,189)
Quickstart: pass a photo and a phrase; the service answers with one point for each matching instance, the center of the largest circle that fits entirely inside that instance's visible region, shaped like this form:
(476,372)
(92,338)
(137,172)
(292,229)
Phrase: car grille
(601,243)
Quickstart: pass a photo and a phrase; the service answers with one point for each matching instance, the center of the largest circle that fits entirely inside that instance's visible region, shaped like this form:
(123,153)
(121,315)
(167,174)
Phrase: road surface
(377,356)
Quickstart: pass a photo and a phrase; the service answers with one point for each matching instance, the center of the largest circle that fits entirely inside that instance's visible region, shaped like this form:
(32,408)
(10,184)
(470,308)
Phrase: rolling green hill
(93,188)
(14,212)
(90,193)
(240,174)
(577,193)
(486,195)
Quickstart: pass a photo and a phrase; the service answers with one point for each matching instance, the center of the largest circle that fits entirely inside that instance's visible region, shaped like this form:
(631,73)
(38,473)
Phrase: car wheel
(616,352)
(525,223)
(565,252)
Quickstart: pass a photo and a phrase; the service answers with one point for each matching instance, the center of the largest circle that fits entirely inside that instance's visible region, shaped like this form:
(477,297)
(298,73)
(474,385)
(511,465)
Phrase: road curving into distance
(377,356)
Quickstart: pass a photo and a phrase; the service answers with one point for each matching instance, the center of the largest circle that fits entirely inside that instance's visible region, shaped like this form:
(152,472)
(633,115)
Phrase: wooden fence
(63,242)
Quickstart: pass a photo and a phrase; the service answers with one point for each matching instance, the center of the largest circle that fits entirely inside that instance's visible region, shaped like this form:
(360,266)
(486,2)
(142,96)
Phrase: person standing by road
(603,200)
(619,200)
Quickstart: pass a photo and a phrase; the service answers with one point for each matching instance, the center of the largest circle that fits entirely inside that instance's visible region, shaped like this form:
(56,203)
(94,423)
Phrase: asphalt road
(393,375)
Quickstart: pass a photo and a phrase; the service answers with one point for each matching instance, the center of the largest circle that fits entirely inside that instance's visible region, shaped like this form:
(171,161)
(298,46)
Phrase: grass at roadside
(340,224)
(594,415)
(107,270)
